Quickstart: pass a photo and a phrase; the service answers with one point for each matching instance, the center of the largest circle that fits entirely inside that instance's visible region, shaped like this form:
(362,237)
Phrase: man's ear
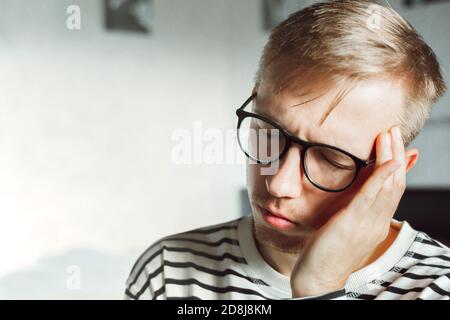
(412,155)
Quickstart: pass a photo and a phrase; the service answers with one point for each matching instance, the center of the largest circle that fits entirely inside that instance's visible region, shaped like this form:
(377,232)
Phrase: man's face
(369,108)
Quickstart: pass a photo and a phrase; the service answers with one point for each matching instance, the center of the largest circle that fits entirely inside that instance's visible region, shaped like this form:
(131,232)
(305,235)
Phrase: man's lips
(277,219)
(276,214)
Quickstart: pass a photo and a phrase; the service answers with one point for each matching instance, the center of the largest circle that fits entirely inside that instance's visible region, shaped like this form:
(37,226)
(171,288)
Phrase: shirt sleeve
(146,275)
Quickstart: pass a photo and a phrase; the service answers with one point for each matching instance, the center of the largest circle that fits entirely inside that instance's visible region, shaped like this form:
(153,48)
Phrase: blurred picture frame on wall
(275,11)
(134,16)
(414,3)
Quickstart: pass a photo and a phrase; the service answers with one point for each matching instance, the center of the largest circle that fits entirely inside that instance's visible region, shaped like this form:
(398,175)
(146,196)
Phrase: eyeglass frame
(290,139)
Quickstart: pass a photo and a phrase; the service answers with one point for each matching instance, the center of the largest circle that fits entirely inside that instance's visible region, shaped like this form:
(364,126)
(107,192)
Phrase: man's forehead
(367,109)
(305,125)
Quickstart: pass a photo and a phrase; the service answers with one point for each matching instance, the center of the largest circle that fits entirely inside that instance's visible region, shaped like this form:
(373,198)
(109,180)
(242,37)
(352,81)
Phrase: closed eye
(337,164)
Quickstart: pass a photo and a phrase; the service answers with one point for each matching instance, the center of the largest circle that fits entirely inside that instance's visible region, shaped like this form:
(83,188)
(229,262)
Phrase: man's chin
(291,241)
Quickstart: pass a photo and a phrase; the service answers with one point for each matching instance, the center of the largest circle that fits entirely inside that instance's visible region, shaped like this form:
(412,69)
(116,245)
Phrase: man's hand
(343,244)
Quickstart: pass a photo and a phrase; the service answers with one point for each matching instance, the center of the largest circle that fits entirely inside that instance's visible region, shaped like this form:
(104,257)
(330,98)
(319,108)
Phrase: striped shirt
(223,262)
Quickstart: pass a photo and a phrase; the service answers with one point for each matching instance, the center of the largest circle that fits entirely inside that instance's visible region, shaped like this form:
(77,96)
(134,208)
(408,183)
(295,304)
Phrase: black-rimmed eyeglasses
(327,167)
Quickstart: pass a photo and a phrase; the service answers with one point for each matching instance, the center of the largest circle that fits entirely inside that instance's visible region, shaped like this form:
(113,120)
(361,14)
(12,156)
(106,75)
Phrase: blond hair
(354,40)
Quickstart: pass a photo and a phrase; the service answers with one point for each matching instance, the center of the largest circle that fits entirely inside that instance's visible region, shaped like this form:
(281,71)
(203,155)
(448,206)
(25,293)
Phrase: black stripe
(129,294)
(206,230)
(330,296)
(439,290)
(404,291)
(398,270)
(361,296)
(159,292)
(211,244)
(209,230)
(421,257)
(426,241)
(144,265)
(224,256)
(146,285)
(142,256)
(184,298)
(404,270)
(226,289)
(153,274)
(200,268)
(198,253)
(414,276)
(401,291)
(218,273)
(433,265)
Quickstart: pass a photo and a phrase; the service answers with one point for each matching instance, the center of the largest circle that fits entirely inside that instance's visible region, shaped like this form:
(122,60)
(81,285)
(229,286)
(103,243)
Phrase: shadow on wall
(76,274)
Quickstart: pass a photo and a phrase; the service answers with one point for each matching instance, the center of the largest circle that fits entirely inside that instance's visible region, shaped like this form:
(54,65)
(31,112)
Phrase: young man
(338,97)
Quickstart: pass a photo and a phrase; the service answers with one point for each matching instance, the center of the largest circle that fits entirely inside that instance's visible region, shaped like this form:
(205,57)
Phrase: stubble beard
(266,236)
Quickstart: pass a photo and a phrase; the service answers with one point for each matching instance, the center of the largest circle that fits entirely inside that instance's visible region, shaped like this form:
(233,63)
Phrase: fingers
(369,191)
(398,153)
(389,174)
(384,153)
(383,149)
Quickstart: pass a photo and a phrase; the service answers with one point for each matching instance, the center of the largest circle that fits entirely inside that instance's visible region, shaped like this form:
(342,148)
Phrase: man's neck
(284,262)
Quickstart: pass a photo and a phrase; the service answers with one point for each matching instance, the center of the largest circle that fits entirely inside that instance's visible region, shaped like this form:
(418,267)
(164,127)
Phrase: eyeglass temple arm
(369,162)
(247,102)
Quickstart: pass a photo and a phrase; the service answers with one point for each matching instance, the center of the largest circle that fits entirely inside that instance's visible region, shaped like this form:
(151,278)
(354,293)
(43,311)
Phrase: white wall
(87,116)
(86,119)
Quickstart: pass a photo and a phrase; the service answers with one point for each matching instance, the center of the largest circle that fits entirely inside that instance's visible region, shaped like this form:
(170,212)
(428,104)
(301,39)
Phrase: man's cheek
(346,196)
(253,178)
(254,173)
(361,178)
(333,203)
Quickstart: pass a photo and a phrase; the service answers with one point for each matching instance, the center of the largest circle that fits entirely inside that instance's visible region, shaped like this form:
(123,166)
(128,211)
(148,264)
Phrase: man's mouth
(277,220)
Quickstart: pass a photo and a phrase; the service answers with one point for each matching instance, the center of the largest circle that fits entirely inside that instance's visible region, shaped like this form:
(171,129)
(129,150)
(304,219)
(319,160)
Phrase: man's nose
(287,181)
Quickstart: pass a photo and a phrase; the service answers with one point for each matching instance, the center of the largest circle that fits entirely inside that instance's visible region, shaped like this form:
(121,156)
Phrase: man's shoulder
(189,250)
(425,248)
(210,232)
(424,274)
(215,238)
